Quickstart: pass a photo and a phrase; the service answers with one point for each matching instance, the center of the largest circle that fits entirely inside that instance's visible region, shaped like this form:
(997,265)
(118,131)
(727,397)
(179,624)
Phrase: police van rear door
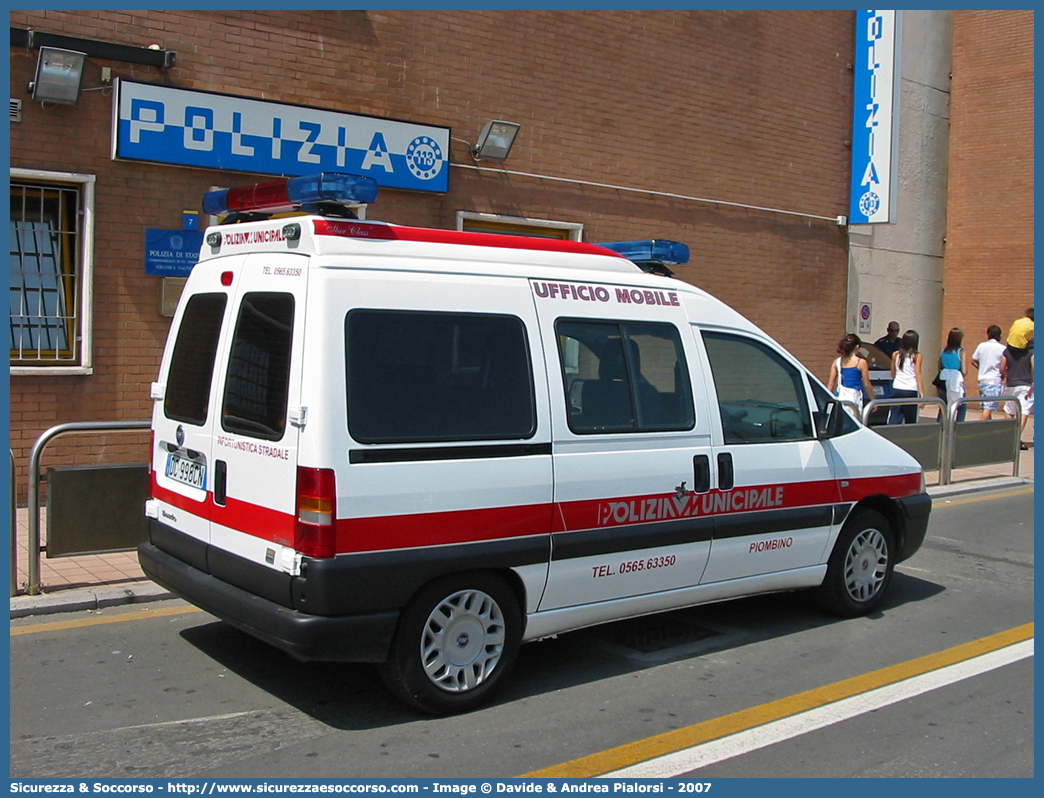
(258,413)
(186,401)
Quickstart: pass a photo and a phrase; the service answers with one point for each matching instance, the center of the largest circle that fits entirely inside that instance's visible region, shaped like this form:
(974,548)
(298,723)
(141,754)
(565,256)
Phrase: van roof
(318,235)
(428,249)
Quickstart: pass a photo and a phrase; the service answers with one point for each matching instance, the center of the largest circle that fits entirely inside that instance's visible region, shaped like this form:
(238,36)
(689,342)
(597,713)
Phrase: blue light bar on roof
(651,251)
(336,187)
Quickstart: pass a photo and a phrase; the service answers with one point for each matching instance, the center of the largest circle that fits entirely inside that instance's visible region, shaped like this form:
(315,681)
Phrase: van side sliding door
(631,444)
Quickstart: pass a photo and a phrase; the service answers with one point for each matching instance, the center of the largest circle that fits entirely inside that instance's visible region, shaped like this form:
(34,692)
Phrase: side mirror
(830,422)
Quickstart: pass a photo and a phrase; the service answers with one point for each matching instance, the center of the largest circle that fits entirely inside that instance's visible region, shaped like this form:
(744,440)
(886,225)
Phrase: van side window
(192,364)
(416,377)
(624,377)
(761,396)
(258,379)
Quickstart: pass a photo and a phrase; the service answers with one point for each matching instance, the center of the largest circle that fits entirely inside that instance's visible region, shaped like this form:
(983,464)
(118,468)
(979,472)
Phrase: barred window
(47,319)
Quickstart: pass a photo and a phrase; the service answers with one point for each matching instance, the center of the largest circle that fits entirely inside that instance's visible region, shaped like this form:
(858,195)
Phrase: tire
(456,643)
(860,567)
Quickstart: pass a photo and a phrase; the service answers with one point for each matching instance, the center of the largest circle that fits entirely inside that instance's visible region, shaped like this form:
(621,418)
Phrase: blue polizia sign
(875,118)
(217,131)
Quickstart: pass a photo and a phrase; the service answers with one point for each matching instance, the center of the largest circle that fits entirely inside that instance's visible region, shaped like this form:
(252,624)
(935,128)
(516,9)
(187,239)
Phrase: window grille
(46,274)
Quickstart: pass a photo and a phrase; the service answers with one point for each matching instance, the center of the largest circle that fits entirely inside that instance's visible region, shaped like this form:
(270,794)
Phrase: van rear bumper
(310,638)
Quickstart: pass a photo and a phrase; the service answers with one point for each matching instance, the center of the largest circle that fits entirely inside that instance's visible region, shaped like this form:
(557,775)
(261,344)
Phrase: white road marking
(734,745)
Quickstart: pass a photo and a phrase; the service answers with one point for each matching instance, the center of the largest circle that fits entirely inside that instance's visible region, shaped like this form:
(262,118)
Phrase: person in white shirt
(906,379)
(987,359)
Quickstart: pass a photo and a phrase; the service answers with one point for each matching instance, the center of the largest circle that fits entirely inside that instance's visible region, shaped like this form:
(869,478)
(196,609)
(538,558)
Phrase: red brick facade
(989,238)
(744,107)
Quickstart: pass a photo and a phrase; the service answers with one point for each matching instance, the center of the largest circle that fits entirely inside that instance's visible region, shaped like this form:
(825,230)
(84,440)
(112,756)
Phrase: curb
(92,598)
(974,486)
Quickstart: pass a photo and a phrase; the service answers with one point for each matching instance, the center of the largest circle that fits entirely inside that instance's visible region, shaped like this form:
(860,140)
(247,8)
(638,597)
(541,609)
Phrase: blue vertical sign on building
(219,131)
(875,118)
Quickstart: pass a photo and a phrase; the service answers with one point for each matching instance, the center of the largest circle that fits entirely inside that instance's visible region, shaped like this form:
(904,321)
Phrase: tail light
(315,533)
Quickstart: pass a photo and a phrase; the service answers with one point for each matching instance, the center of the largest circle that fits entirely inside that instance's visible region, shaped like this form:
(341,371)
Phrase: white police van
(422,448)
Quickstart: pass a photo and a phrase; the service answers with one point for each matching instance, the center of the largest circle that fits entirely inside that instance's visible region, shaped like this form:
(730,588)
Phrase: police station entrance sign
(219,131)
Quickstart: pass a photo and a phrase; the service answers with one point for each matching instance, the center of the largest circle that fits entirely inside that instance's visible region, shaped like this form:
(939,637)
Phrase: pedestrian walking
(1021,332)
(849,373)
(906,379)
(987,359)
(1017,373)
(953,366)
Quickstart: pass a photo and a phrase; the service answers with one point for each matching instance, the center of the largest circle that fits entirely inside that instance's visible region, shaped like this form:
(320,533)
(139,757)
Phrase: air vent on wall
(16,110)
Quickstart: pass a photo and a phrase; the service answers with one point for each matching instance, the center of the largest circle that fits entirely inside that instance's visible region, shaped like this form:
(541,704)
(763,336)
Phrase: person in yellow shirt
(1021,332)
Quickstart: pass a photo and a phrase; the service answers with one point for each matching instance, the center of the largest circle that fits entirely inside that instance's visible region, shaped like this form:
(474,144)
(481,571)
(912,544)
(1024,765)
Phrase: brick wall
(989,238)
(744,107)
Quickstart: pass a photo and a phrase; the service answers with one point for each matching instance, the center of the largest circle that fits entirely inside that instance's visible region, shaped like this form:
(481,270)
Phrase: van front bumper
(916,512)
(309,638)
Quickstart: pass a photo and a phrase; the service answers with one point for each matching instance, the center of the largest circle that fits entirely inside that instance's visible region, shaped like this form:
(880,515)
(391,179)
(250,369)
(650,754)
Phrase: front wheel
(860,566)
(456,642)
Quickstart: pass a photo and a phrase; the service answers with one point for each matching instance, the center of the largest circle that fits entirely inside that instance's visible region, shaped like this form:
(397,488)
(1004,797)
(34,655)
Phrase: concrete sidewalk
(96,581)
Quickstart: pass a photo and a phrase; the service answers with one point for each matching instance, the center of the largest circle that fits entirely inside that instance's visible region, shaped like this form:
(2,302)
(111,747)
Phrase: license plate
(187,472)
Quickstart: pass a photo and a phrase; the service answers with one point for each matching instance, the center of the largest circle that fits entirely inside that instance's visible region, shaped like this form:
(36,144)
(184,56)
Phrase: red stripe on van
(253,519)
(439,529)
(500,523)
(392,232)
(622,511)
(897,486)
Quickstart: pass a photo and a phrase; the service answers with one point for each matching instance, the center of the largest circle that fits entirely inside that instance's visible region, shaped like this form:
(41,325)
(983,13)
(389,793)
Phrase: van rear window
(415,377)
(192,364)
(258,379)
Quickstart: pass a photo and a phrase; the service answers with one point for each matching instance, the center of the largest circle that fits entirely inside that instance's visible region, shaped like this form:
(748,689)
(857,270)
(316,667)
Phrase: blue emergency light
(295,192)
(651,251)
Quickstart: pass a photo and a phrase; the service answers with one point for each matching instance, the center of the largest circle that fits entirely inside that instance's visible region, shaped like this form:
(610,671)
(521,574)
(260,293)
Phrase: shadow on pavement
(350,696)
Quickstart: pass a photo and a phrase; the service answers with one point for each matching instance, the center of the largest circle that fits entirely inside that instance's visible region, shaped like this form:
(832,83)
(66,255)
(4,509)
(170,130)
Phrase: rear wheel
(457,640)
(860,567)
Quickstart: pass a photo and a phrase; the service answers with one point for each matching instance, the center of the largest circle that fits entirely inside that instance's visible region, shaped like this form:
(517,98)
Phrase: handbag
(939,382)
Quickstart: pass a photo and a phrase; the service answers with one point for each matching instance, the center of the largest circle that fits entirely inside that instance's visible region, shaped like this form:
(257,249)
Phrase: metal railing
(951,432)
(33,585)
(948,426)
(14,530)
(873,404)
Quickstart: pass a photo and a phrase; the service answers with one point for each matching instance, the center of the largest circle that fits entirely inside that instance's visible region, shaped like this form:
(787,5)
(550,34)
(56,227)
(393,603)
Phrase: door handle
(701,473)
(220,482)
(726,476)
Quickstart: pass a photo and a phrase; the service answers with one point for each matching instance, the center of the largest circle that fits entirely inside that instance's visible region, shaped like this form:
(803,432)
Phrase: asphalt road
(168,691)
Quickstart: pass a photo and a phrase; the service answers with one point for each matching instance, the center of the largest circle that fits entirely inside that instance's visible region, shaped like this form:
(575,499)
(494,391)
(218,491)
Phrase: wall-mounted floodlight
(59,76)
(494,143)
